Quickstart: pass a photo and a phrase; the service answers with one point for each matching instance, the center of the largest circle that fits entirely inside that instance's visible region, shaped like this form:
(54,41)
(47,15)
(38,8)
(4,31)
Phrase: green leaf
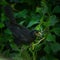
(47,49)
(43,58)
(50,37)
(32,22)
(45,10)
(56,9)
(21,14)
(55,47)
(42,10)
(38,9)
(37,27)
(7,31)
(1,25)
(56,31)
(23,53)
(3,2)
(3,17)
(51,21)
(48,57)
(21,23)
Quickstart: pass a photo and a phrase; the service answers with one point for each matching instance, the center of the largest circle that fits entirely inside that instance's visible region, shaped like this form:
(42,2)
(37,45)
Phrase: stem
(39,41)
(34,55)
(33,47)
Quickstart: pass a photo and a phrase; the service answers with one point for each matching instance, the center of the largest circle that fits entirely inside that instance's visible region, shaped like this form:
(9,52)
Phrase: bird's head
(36,33)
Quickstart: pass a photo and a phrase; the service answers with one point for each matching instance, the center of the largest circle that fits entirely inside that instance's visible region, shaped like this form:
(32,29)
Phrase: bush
(41,15)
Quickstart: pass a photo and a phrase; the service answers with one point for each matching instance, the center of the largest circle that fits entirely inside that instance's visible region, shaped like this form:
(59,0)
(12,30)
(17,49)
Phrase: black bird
(19,32)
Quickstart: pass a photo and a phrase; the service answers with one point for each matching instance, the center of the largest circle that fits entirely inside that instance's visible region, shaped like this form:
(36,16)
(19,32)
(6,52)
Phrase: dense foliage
(42,15)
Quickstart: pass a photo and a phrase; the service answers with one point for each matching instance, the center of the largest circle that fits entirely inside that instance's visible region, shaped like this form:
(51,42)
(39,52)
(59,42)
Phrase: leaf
(37,27)
(55,47)
(23,54)
(3,2)
(51,21)
(3,17)
(7,31)
(56,31)
(1,25)
(47,49)
(32,22)
(43,58)
(21,14)
(48,57)
(56,9)
(50,37)
(42,10)
(21,23)
(38,9)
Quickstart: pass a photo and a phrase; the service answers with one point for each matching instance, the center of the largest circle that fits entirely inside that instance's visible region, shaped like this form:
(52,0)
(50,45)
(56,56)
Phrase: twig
(39,41)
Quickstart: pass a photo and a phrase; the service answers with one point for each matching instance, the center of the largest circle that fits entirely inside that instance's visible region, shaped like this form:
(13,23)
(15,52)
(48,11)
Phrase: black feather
(20,33)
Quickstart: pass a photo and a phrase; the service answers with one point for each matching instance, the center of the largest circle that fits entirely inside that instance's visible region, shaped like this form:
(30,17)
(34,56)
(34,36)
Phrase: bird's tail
(9,13)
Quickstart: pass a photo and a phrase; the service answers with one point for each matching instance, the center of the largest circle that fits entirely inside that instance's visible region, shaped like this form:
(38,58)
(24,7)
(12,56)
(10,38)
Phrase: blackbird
(19,32)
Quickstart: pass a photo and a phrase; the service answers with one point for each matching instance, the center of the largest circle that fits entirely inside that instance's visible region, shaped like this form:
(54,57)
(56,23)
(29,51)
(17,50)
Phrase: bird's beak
(38,34)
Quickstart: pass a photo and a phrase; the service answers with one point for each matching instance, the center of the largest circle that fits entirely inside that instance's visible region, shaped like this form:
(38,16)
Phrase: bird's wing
(21,34)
